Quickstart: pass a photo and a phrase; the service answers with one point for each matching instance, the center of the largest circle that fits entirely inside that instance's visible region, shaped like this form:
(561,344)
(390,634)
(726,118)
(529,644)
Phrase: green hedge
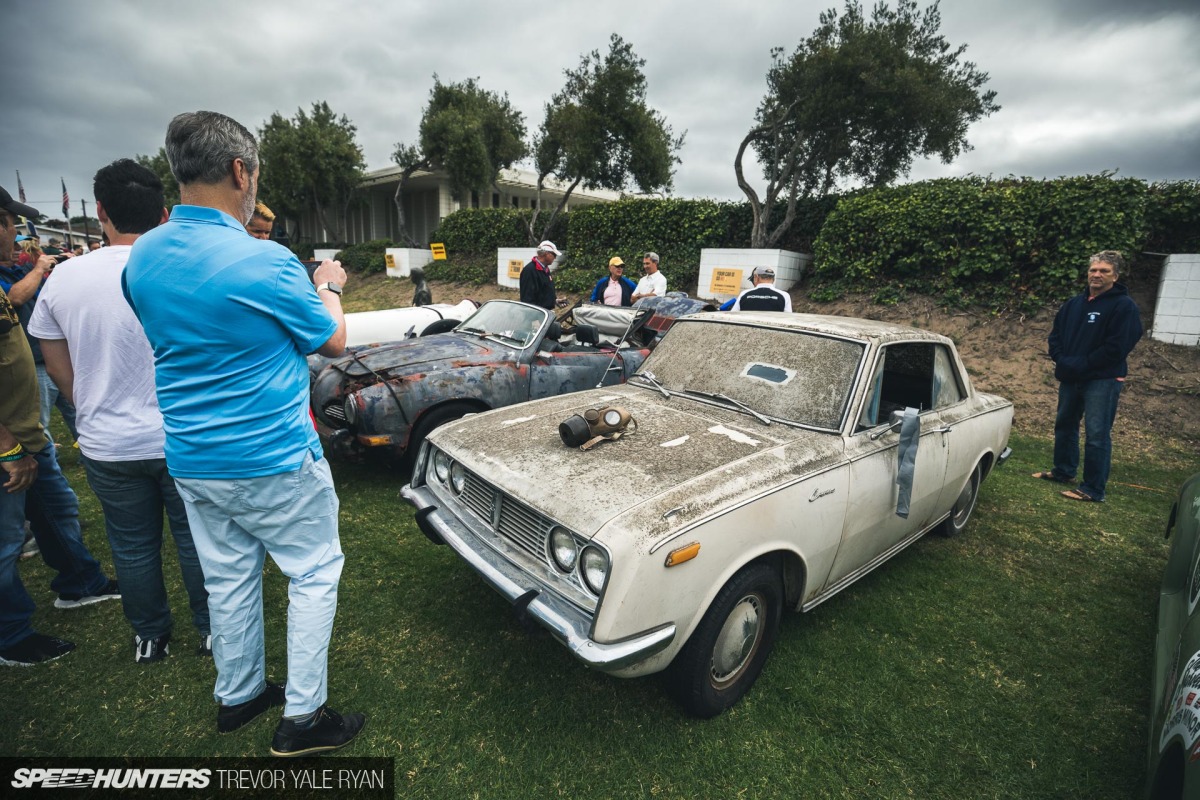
(366,257)
(481,231)
(463,268)
(1173,217)
(1001,243)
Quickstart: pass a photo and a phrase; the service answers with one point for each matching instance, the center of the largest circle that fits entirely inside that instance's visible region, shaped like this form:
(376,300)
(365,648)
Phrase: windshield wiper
(649,378)
(763,418)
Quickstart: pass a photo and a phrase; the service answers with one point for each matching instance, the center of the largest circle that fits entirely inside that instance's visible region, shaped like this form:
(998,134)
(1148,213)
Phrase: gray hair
(201,146)
(1111,257)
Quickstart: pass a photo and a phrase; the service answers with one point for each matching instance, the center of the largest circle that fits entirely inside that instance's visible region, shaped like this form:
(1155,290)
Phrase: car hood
(685,456)
(414,355)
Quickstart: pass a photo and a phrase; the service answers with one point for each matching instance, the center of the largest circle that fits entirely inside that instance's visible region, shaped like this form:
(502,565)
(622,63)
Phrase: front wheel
(964,505)
(726,652)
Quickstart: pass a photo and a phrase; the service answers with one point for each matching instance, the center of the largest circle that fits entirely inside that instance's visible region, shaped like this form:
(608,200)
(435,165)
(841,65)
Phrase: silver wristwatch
(336,288)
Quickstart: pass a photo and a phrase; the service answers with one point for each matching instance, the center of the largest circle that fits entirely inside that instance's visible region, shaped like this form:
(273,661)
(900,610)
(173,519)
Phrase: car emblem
(818,494)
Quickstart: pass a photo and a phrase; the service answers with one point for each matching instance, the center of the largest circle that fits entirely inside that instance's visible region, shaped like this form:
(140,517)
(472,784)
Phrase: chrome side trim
(570,625)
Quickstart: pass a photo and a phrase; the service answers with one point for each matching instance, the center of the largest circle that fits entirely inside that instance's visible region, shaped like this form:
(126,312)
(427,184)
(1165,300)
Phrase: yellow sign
(726,281)
(514,268)
(439,251)
(390,260)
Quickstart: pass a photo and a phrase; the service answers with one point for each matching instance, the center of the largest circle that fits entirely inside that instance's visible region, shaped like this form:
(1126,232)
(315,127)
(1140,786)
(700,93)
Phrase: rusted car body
(387,397)
(775,460)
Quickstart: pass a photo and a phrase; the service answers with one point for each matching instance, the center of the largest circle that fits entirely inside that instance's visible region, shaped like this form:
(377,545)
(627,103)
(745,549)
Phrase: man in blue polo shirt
(230,319)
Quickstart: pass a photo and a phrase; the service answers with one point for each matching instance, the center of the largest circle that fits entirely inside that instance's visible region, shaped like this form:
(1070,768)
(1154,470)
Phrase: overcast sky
(1084,85)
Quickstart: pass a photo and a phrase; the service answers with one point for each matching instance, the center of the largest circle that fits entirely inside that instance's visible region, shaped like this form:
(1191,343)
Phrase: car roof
(849,327)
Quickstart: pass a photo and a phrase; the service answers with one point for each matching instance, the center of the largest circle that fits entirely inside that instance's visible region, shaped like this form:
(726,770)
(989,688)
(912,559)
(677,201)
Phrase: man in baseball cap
(537,285)
(15,208)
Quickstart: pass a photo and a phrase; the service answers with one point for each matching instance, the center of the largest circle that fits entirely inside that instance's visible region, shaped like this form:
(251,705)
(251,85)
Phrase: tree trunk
(553,216)
(404,234)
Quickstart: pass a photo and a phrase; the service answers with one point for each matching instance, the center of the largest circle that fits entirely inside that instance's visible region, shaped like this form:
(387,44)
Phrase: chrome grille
(335,412)
(519,524)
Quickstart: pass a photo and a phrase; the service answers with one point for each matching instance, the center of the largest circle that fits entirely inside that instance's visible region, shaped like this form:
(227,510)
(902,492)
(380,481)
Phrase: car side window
(919,375)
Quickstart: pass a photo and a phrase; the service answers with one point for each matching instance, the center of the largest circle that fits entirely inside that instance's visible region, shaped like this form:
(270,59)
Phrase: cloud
(1084,85)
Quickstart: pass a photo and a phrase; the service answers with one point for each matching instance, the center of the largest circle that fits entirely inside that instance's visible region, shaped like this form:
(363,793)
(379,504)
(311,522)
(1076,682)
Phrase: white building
(427,200)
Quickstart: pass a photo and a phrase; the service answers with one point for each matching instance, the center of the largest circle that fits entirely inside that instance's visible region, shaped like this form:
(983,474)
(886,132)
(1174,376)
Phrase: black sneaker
(205,648)
(109,592)
(37,648)
(147,650)
(330,731)
(230,718)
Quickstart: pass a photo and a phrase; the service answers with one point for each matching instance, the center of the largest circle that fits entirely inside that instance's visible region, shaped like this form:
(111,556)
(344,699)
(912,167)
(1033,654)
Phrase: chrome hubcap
(966,502)
(738,638)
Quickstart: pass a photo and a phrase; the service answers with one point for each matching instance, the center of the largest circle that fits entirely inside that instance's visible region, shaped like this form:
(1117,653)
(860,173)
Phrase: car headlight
(563,549)
(441,465)
(593,563)
(350,408)
(458,477)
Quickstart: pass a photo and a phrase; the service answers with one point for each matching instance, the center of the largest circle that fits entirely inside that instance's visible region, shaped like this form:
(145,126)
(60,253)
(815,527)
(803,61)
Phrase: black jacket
(537,287)
(1091,338)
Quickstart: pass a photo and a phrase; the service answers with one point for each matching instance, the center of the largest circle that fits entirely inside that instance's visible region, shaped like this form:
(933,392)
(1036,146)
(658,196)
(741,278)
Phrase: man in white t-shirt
(98,355)
(653,282)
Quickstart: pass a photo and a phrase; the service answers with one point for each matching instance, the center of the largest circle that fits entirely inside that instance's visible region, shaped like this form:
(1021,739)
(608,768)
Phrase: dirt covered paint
(520,451)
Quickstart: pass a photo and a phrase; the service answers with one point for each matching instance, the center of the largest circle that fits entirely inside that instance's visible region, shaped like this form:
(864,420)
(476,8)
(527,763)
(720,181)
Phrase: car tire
(964,506)
(447,412)
(726,652)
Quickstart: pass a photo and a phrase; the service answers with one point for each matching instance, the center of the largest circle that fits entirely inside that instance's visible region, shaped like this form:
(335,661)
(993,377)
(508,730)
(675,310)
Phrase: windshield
(798,376)
(506,322)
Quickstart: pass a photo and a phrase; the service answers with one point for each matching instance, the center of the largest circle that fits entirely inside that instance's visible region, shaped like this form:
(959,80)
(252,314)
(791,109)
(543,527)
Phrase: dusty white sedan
(756,462)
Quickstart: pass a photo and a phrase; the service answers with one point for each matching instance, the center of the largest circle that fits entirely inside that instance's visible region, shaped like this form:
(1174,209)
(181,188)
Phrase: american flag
(66,198)
(20,187)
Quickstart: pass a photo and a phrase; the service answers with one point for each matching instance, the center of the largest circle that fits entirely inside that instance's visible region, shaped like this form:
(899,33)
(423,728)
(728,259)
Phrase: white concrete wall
(724,263)
(514,254)
(404,259)
(1177,312)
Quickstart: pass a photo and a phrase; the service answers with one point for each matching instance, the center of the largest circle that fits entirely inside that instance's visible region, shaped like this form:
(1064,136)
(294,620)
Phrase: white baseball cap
(548,247)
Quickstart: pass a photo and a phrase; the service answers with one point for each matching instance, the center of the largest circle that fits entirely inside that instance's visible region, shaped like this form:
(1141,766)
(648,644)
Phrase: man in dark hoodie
(1092,335)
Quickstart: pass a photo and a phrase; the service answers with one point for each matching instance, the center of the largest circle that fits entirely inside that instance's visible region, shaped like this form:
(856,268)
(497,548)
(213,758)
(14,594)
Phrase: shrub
(367,257)
(999,243)
(1173,217)
(480,231)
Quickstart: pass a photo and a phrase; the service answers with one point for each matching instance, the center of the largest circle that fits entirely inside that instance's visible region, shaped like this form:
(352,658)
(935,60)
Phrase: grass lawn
(1013,661)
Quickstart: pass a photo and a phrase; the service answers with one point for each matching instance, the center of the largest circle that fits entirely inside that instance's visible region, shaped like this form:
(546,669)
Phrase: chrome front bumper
(567,623)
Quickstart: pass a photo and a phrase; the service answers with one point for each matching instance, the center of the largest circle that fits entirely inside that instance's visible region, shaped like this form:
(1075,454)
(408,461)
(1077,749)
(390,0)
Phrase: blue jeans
(236,522)
(133,495)
(1095,402)
(53,512)
(50,396)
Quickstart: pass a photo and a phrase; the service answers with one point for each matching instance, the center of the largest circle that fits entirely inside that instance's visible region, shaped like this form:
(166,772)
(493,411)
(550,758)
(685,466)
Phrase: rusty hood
(414,355)
(681,448)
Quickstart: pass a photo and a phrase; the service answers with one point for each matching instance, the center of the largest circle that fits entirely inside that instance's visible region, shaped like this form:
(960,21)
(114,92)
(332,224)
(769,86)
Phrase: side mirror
(895,420)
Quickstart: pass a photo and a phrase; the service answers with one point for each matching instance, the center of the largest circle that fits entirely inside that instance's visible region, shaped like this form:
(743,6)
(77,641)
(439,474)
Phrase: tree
(600,133)
(311,161)
(468,132)
(859,100)
(159,165)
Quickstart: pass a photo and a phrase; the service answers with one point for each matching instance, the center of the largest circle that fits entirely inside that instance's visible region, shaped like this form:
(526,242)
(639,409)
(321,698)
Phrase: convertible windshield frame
(502,337)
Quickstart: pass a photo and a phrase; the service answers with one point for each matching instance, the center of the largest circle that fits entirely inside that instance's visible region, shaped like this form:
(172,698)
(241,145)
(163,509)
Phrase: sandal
(1050,476)
(1075,494)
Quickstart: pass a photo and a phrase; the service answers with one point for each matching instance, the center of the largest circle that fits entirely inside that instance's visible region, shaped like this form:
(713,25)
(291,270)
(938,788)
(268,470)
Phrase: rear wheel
(964,505)
(726,652)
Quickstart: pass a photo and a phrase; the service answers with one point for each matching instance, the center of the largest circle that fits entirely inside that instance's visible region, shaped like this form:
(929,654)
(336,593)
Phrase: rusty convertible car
(388,397)
(755,462)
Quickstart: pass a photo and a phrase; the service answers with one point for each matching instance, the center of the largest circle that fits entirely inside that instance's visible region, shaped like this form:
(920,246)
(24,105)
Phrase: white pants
(235,523)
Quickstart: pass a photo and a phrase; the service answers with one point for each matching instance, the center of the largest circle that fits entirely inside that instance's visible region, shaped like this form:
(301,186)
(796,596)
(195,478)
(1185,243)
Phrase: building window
(495,199)
(474,199)
(516,202)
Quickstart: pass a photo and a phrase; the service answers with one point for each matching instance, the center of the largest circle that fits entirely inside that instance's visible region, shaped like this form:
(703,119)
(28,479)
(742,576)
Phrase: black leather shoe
(230,718)
(331,731)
